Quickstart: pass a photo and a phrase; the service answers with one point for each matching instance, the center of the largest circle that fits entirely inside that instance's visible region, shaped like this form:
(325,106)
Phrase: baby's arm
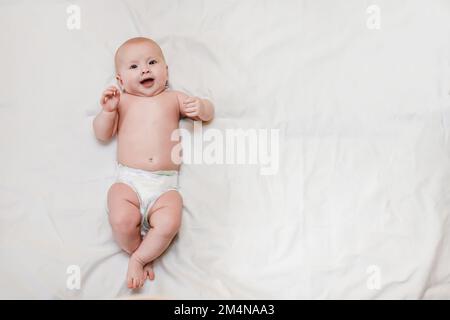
(105,123)
(195,108)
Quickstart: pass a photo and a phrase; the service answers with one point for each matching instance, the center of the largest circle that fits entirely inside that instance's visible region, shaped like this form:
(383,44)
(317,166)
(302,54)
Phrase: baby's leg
(124,216)
(165,221)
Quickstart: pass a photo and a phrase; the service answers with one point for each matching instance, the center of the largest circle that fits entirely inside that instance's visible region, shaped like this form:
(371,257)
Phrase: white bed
(359,207)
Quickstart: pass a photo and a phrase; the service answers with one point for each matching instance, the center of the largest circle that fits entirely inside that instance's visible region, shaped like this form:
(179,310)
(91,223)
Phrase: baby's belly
(146,154)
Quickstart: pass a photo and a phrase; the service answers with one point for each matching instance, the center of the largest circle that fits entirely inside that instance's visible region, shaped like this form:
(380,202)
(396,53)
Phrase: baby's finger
(189,100)
(107,93)
(191,105)
(115,91)
(112,89)
(191,114)
(112,94)
(107,96)
(103,99)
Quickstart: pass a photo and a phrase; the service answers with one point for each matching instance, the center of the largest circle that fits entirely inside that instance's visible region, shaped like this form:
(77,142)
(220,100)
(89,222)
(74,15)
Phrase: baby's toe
(148,269)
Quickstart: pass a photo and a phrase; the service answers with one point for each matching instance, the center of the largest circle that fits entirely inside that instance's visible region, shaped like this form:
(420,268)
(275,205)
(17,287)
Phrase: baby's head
(141,68)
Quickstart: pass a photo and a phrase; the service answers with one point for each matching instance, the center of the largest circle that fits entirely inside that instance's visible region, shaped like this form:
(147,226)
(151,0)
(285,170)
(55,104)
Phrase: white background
(362,193)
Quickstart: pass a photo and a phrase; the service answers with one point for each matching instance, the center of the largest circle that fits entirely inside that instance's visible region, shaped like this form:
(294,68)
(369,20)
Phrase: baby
(144,206)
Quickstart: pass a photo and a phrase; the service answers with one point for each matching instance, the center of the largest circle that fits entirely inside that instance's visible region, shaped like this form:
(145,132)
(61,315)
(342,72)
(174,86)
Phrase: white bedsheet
(359,207)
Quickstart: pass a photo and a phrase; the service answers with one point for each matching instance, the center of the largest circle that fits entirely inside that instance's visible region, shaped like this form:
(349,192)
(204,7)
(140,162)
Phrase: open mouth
(147,82)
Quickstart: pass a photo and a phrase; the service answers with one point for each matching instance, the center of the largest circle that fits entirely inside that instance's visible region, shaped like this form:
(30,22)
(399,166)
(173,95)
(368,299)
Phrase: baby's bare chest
(142,114)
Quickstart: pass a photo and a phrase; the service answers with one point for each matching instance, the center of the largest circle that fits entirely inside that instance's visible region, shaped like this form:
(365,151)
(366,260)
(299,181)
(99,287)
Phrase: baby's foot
(135,273)
(148,271)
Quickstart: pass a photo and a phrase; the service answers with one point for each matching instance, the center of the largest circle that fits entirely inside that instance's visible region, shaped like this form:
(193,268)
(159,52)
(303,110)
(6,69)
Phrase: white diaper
(148,186)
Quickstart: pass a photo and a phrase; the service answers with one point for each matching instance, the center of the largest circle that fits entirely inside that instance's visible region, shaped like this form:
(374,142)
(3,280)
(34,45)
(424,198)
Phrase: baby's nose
(145,70)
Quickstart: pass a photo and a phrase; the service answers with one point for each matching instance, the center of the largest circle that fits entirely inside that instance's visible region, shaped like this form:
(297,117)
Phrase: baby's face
(141,69)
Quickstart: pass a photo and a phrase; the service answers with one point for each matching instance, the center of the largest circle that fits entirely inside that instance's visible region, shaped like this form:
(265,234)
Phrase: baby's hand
(110,99)
(194,107)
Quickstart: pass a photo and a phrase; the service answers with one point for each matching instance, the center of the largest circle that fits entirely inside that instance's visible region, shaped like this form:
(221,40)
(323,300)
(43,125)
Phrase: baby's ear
(119,80)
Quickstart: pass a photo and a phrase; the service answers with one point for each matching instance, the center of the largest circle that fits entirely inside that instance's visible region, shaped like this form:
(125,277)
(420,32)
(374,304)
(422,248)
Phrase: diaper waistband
(141,172)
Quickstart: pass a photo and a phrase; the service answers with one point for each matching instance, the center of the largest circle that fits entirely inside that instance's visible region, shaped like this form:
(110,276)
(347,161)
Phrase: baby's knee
(124,223)
(168,224)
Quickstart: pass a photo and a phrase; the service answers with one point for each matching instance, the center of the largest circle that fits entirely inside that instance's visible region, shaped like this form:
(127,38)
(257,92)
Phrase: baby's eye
(133,66)
(152,62)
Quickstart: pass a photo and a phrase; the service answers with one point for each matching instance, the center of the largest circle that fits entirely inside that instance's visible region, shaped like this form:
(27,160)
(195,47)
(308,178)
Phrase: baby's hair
(135,41)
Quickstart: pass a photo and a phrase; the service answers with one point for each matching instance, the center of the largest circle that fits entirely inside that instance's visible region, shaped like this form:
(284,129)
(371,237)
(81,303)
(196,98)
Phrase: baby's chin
(143,91)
